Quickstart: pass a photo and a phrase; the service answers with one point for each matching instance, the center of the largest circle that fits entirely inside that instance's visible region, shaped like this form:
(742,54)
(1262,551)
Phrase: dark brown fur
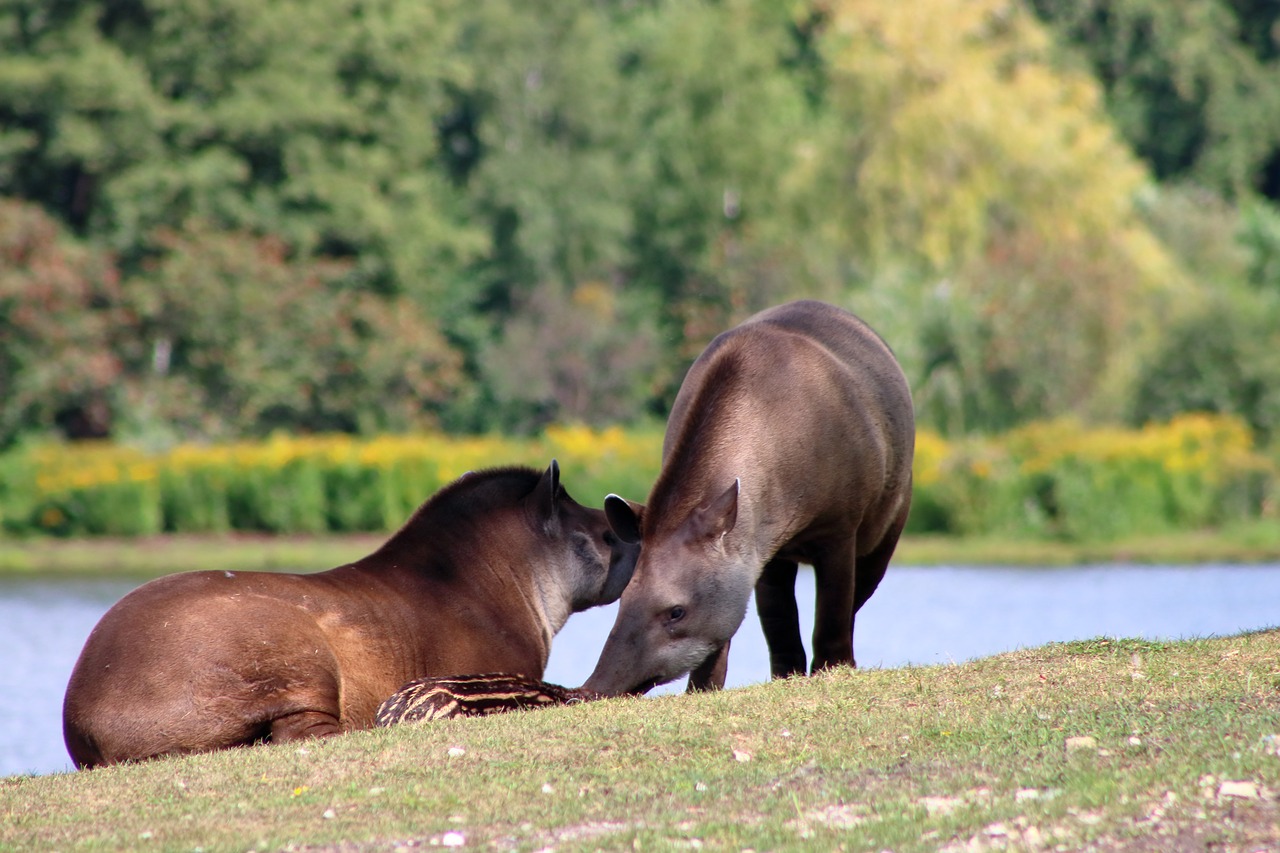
(791,441)
(427,699)
(479,579)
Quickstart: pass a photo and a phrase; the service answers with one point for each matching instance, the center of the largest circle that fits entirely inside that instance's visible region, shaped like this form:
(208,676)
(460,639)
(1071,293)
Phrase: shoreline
(1256,542)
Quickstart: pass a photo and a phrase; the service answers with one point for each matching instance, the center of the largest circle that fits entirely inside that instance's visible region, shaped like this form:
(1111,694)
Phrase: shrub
(1054,478)
(293,485)
(1060,479)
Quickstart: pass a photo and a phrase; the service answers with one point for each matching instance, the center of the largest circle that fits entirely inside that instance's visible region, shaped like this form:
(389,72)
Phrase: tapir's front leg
(833,569)
(710,674)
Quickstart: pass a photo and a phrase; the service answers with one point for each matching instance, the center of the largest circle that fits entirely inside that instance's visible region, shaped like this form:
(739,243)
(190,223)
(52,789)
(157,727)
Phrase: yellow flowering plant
(1056,478)
(296,484)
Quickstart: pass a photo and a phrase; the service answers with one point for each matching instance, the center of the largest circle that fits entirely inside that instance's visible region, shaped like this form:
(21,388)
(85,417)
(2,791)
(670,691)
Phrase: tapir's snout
(605,679)
(621,668)
(643,651)
(612,683)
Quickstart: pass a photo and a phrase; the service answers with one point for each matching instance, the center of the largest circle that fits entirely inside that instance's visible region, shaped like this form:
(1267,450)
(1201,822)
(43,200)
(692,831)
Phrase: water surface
(918,616)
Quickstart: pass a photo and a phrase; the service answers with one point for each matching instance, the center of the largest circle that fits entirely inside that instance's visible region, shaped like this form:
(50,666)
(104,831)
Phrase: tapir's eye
(675,614)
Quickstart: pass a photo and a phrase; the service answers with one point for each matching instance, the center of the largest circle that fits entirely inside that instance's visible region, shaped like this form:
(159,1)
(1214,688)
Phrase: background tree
(652,147)
(62,320)
(995,203)
(1194,87)
(236,337)
(312,121)
(589,355)
(1221,352)
(429,192)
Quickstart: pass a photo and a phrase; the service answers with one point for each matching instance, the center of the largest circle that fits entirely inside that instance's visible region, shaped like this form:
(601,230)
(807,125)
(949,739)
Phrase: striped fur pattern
(426,699)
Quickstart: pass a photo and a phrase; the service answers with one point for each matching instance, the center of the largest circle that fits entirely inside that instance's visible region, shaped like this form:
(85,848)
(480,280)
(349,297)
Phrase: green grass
(155,555)
(971,756)
(1254,541)
(151,556)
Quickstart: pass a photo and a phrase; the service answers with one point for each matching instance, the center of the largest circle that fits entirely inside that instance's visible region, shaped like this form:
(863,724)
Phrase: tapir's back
(814,390)
(794,352)
(870,364)
(847,337)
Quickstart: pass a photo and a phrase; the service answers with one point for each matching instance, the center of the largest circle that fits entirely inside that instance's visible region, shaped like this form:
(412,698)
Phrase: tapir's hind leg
(834,590)
(871,568)
(309,705)
(312,708)
(780,619)
(305,724)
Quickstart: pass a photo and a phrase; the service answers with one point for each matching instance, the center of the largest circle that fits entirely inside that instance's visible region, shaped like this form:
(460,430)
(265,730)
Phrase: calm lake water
(918,616)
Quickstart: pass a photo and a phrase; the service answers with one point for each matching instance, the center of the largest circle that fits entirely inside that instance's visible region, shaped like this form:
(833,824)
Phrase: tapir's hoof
(426,699)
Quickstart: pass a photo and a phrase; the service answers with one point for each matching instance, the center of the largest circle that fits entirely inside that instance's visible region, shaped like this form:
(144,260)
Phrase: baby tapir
(444,697)
(479,579)
(790,441)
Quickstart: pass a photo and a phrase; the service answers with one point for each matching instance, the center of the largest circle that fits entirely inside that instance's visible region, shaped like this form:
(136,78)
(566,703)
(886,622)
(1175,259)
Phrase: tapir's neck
(489,581)
(521,587)
(760,530)
(764,523)
(550,602)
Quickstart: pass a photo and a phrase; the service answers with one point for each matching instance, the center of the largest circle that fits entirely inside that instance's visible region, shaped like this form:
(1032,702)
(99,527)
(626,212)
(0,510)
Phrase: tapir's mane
(693,444)
(470,495)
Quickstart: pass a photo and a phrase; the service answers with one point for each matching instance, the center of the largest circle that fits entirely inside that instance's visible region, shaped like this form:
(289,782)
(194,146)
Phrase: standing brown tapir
(790,441)
(478,580)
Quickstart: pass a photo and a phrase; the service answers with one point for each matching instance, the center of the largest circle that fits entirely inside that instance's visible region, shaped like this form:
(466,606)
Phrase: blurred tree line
(221,218)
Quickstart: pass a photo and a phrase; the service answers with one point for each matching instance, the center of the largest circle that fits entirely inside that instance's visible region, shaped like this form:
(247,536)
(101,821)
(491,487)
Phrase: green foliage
(62,321)
(655,148)
(1200,229)
(1051,480)
(1260,237)
(727,136)
(997,211)
(1194,87)
(313,121)
(193,498)
(459,156)
(292,485)
(1055,479)
(581,357)
(286,498)
(237,337)
(1219,350)
(128,507)
(500,214)
(1222,355)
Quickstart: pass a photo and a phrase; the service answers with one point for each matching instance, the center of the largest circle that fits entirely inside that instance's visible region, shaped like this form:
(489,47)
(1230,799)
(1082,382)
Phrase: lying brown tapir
(790,441)
(478,580)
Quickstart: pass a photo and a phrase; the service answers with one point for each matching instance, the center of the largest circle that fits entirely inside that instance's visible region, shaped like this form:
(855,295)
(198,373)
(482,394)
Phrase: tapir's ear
(716,518)
(624,518)
(547,494)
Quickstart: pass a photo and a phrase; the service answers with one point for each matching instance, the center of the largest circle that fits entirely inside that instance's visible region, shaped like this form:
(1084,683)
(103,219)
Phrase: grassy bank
(1256,541)
(148,556)
(1094,745)
(1252,541)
